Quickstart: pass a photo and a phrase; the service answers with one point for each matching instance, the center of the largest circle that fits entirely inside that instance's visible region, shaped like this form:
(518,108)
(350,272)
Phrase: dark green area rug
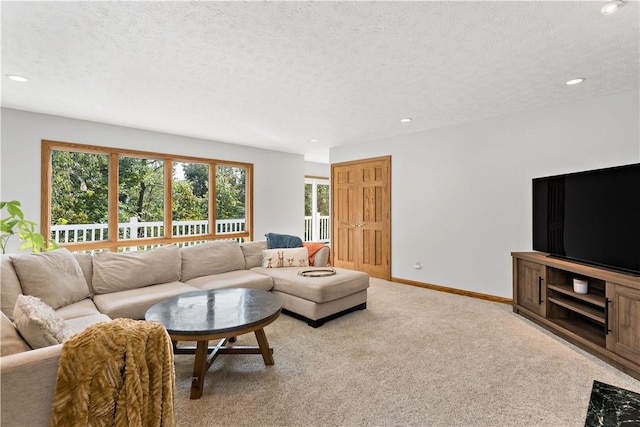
(612,406)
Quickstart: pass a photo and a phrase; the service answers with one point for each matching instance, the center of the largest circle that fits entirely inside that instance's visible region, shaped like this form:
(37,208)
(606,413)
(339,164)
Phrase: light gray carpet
(414,357)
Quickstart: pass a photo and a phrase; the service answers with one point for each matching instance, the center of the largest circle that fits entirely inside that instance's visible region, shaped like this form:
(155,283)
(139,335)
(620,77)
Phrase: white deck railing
(317,229)
(75,233)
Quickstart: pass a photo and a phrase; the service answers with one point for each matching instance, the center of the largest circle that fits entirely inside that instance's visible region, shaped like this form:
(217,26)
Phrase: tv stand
(605,321)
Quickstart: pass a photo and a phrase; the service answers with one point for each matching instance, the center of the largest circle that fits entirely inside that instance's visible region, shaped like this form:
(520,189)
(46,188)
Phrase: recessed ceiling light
(575,81)
(313,140)
(16,78)
(611,7)
(406,120)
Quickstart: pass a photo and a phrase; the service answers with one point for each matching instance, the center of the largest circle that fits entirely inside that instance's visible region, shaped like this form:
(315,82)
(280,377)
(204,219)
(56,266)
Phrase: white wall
(317,169)
(277,176)
(461,195)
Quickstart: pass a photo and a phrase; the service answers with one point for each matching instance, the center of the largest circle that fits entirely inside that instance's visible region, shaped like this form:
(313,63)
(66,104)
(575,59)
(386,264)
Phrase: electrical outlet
(417,265)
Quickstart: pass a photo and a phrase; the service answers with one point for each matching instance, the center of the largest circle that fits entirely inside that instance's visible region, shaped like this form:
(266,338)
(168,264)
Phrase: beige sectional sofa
(84,289)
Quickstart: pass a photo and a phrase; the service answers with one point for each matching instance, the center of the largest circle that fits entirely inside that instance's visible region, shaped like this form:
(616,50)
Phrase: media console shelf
(605,321)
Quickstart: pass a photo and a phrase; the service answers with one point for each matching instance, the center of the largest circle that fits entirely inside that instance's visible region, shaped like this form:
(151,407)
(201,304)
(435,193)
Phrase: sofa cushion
(122,271)
(38,323)
(79,324)
(10,287)
(275,240)
(134,303)
(233,279)
(83,308)
(55,277)
(10,340)
(85,261)
(211,258)
(279,258)
(252,252)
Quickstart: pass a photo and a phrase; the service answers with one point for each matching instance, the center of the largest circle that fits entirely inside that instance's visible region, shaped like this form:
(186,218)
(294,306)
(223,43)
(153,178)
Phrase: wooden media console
(605,321)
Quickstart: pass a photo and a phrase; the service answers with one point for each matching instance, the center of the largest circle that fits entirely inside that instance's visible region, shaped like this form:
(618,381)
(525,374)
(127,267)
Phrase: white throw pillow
(289,257)
(38,323)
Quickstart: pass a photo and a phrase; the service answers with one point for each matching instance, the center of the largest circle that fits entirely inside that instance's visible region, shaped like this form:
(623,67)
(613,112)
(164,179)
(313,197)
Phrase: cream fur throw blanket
(117,373)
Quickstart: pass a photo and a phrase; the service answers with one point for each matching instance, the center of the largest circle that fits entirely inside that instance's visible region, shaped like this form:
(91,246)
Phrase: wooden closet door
(361,220)
(345,216)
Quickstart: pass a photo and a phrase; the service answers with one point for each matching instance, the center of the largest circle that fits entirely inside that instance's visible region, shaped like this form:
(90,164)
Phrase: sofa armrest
(28,386)
(321,258)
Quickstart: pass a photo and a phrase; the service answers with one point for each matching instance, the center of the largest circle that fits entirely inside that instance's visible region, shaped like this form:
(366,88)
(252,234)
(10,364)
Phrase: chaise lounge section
(318,299)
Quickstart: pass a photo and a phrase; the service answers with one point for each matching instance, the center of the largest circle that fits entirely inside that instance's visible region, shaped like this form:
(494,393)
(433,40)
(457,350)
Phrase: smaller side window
(317,211)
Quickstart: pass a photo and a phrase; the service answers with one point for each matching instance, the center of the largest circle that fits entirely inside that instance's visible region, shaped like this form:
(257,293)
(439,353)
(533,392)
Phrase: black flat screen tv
(591,217)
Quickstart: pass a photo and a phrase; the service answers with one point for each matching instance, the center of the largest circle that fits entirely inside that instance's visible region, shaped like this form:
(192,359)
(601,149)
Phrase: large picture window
(100,198)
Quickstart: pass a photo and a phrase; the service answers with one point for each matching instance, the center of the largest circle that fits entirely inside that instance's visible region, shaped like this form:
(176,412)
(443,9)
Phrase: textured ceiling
(277,74)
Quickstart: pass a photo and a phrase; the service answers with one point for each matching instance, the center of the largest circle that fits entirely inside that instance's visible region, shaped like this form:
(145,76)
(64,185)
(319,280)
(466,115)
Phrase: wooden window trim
(113,243)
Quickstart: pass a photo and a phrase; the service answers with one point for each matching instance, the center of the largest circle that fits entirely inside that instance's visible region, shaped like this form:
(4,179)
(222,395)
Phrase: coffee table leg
(264,347)
(199,369)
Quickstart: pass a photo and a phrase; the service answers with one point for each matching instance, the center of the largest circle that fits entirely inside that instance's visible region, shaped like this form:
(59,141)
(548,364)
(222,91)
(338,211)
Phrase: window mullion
(315,220)
(45,188)
(168,199)
(113,200)
(248,197)
(213,226)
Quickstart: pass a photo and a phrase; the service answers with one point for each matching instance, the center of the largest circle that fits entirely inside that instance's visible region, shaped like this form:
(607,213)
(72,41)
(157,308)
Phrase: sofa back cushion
(10,288)
(55,277)
(252,252)
(11,341)
(211,258)
(121,271)
(85,261)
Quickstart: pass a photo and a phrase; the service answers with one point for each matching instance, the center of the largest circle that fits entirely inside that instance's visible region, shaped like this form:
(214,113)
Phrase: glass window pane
(79,197)
(323,199)
(140,198)
(308,199)
(190,199)
(308,212)
(230,199)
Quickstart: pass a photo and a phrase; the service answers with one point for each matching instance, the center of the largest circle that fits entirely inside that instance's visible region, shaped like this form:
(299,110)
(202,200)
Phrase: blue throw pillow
(276,241)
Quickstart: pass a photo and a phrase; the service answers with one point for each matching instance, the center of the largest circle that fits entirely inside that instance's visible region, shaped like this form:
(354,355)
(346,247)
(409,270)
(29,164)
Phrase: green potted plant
(15,223)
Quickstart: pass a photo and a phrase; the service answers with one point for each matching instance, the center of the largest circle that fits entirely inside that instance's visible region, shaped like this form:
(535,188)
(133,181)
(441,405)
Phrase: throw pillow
(313,248)
(55,277)
(38,323)
(11,341)
(275,240)
(288,257)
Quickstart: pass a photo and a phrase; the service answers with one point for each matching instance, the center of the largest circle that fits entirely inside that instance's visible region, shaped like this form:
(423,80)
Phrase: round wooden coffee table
(216,314)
